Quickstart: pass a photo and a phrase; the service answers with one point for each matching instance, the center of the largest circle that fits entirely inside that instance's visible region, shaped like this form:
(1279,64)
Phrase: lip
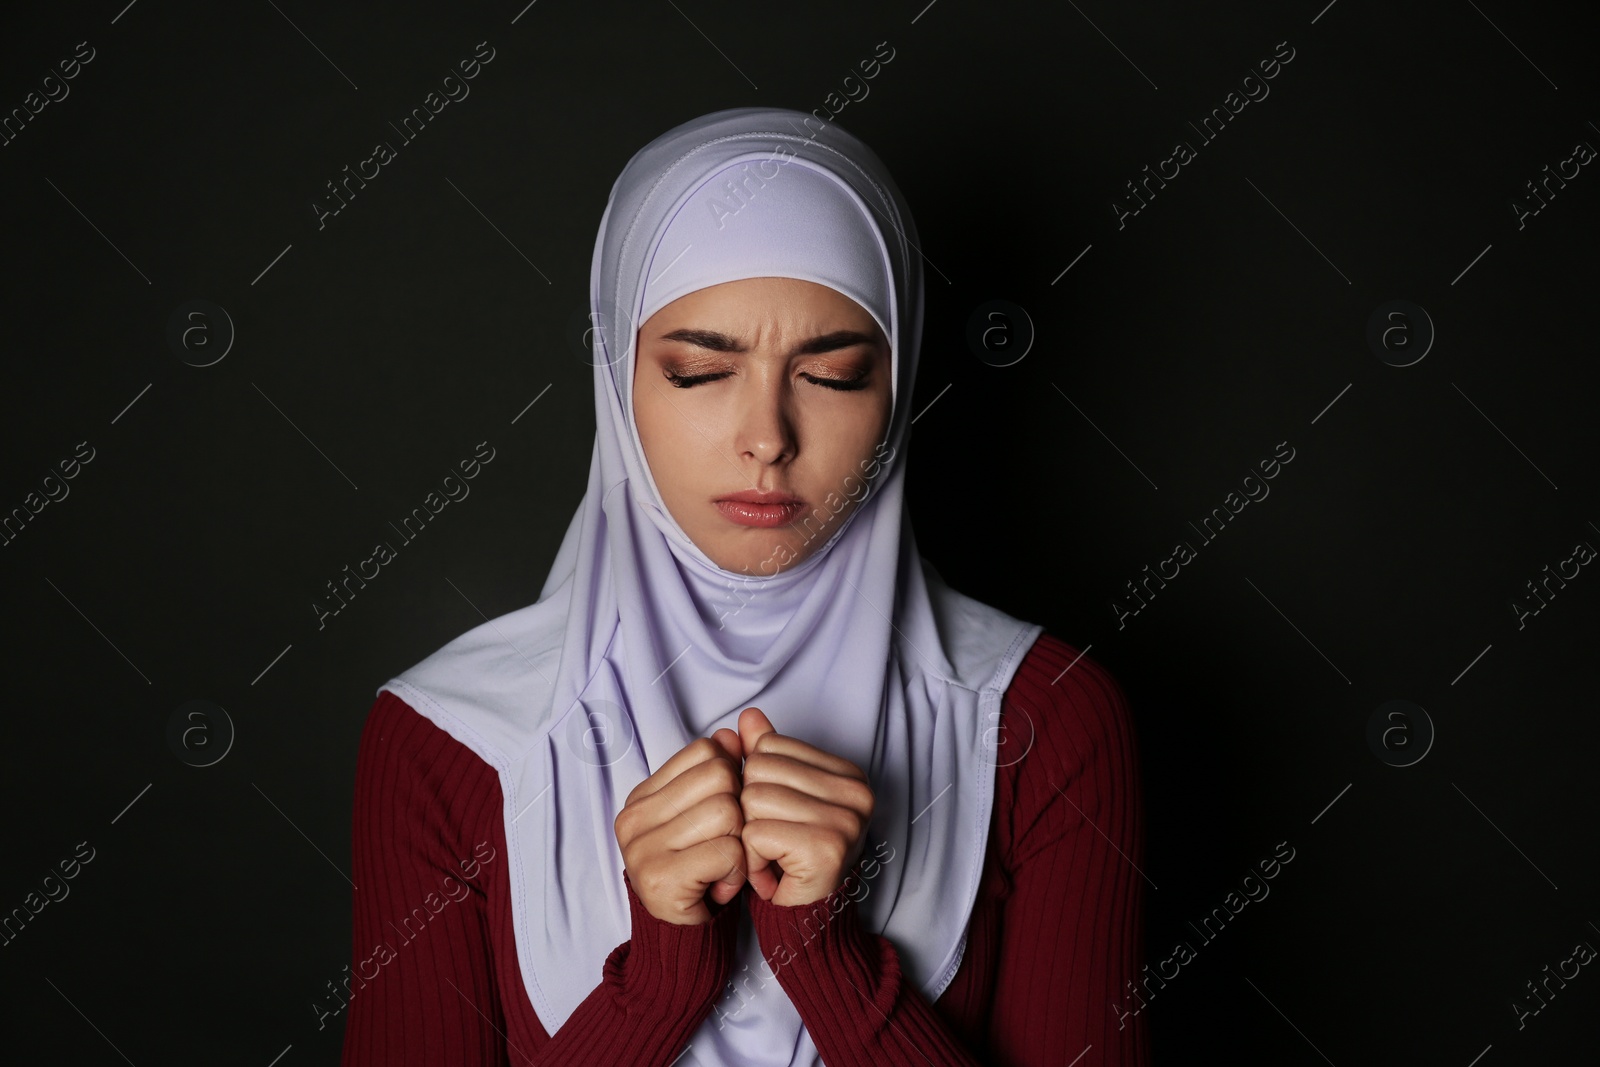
(761,496)
(751,507)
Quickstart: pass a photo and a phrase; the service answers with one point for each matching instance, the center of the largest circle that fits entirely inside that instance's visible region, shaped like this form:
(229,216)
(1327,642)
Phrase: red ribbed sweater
(1054,937)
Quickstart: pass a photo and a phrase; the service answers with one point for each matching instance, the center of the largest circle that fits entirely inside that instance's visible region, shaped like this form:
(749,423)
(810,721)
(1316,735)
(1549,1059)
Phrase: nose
(766,428)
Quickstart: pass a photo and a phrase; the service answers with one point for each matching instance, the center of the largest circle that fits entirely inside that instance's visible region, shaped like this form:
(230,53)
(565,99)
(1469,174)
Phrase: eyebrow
(721,342)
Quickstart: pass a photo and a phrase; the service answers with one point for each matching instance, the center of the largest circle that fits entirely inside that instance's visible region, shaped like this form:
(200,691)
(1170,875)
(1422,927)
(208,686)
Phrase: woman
(748,784)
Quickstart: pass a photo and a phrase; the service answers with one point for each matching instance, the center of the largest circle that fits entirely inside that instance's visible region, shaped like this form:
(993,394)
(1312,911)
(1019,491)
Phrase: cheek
(675,440)
(858,436)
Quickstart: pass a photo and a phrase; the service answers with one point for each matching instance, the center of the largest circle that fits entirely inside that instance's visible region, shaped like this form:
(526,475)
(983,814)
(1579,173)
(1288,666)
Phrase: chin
(761,554)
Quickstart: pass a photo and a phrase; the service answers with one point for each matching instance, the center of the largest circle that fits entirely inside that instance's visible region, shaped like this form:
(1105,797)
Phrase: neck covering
(639,643)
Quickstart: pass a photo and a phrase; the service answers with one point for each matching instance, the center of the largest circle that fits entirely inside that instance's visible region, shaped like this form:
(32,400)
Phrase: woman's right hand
(679,831)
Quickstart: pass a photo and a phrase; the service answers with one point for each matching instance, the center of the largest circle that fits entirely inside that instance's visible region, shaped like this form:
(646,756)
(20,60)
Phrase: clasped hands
(791,821)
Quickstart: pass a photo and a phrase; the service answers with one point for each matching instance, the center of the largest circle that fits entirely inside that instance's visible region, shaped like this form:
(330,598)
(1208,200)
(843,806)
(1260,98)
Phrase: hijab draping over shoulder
(639,643)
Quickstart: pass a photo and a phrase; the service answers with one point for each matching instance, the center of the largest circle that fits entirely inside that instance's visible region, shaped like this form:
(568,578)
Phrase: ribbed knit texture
(1054,937)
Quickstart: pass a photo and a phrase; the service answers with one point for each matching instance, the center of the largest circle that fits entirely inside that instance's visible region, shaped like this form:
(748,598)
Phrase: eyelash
(843,385)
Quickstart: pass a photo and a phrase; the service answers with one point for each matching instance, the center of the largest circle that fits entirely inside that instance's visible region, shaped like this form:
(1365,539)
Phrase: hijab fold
(639,643)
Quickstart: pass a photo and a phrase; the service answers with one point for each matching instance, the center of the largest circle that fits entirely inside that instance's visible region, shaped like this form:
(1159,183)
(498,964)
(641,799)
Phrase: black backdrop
(1440,461)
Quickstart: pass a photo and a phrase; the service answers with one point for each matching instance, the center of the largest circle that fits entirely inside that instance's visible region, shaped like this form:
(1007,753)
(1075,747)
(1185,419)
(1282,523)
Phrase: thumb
(753,722)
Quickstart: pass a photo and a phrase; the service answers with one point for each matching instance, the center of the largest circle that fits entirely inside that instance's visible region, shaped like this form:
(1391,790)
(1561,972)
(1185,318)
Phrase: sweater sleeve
(1072,822)
(1068,820)
(428,849)
(845,982)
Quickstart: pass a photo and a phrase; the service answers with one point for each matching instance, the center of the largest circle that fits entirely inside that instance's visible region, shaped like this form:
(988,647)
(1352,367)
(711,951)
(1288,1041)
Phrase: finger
(707,778)
(697,868)
(713,863)
(794,748)
(769,841)
(698,751)
(729,740)
(765,883)
(796,774)
(763,877)
(642,816)
(718,815)
(733,879)
(753,724)
(768,800)
(805,855)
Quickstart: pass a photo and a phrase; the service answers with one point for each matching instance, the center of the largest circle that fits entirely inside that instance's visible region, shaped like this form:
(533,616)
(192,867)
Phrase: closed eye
(689,381)
(842,384)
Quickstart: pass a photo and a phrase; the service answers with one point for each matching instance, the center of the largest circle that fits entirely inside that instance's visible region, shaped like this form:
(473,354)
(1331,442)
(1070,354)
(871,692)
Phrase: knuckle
(729,816)
(711,777)
(727,776)
(734,858)
(773,766)
(838,848)
(853,825)
(653,883)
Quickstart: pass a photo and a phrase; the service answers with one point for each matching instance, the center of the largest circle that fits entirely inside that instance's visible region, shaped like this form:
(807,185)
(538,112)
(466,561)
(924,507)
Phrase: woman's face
(765,385)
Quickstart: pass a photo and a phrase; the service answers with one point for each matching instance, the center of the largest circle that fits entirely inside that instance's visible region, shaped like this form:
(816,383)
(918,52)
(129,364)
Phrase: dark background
(1229,315)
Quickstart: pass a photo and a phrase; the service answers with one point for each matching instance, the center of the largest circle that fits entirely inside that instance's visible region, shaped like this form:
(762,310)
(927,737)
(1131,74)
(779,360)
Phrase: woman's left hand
(806,813)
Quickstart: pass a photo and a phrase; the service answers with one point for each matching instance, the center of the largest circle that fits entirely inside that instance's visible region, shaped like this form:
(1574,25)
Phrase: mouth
(754,508)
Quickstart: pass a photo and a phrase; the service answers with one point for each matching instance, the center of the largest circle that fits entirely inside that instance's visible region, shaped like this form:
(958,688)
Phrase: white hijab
(639,643)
